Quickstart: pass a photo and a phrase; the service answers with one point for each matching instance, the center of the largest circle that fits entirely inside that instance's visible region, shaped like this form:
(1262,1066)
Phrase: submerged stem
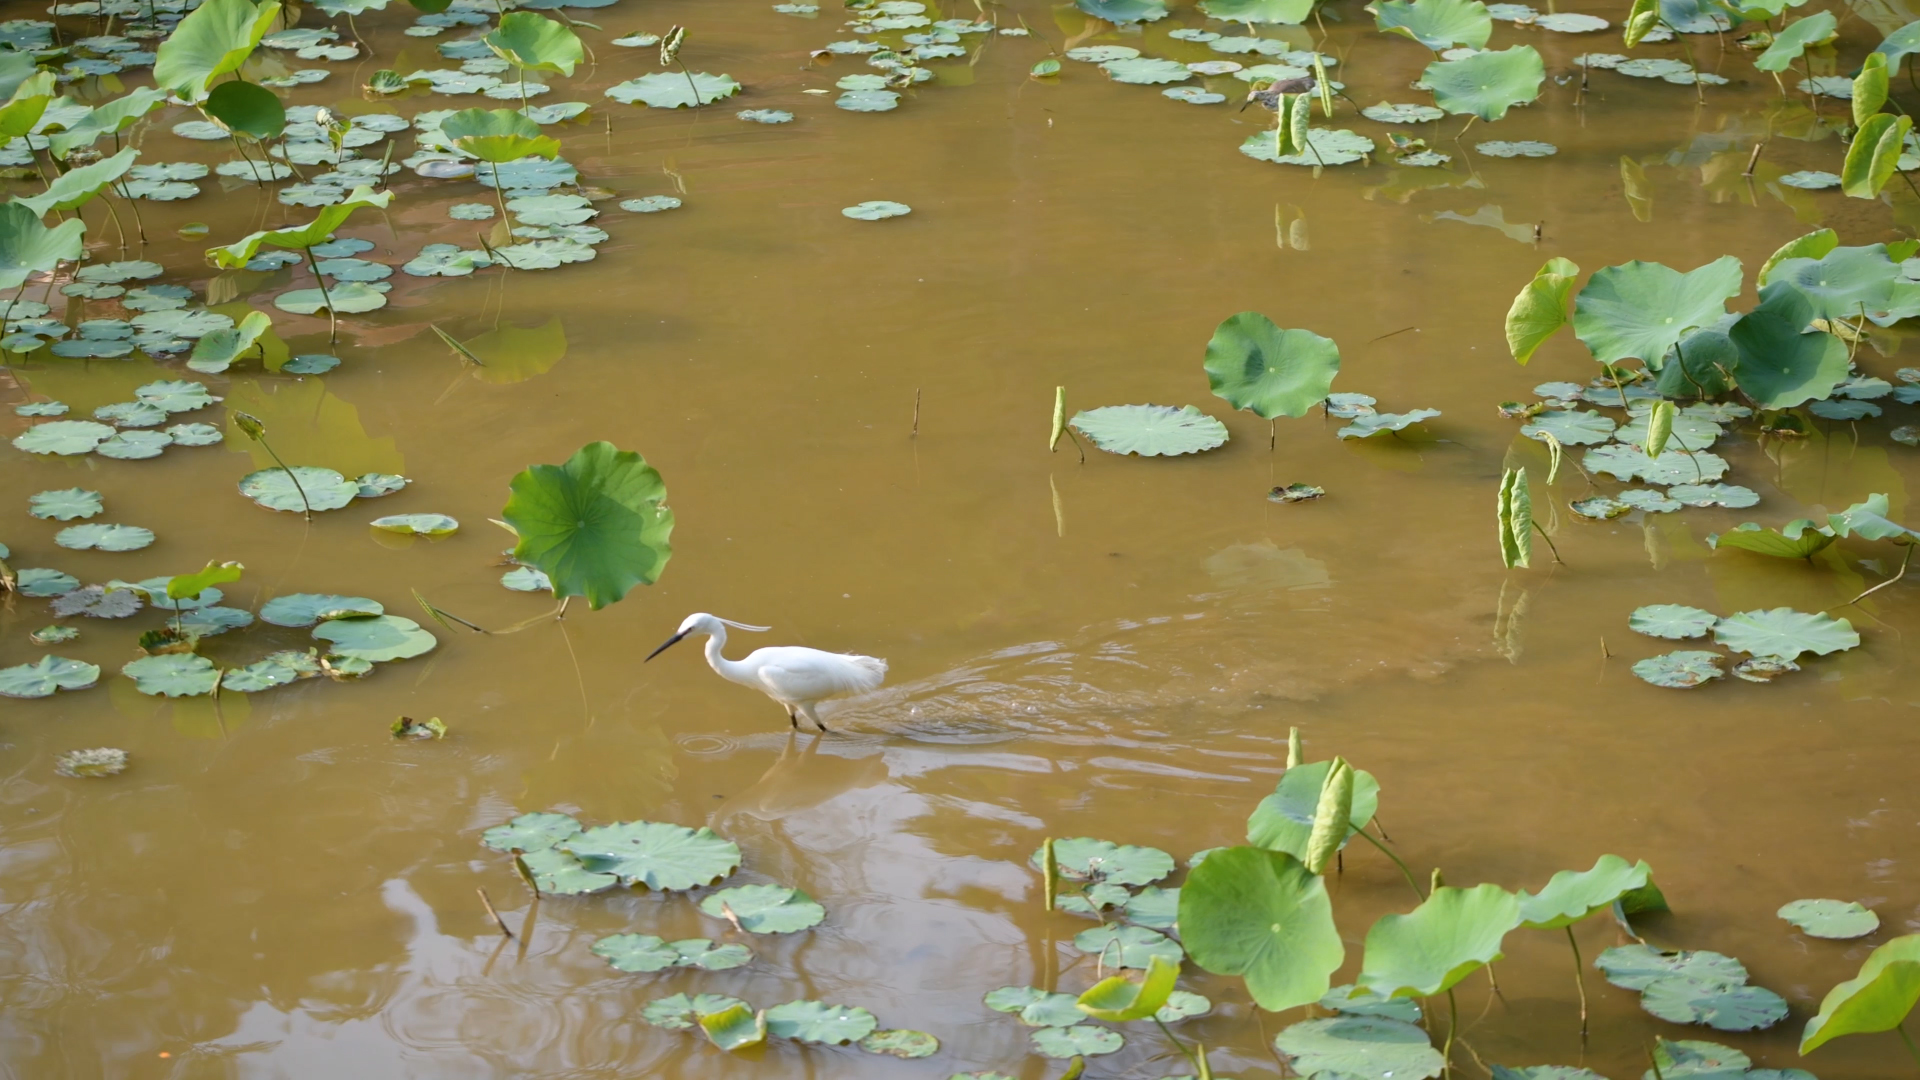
(290,475)
(1178,1045)
(1896,577)
(1905,1038)
(1579,980)
(1453,1025)
(333,317)
(1411,883)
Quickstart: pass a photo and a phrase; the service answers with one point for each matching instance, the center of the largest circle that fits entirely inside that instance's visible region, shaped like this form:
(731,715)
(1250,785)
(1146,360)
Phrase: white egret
(797,677)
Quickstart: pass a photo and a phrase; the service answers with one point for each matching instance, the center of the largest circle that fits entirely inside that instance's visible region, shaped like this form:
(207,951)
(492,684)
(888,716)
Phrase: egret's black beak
(1244,104)
(665,645)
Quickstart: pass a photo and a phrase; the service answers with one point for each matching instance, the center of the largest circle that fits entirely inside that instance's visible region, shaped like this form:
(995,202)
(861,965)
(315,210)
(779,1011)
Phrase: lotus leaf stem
(1411,883)
(1543,535)
(333,317)
(261,439)
(1453,1024)
(1495,981)
(1198,1068)
(695,86)
(1579,980)
(497,920)
(1907,559)
(1653,1059)
(499,198)
(1908,1039)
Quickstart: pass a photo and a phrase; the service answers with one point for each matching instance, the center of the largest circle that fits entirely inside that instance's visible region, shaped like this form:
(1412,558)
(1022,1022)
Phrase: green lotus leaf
(110,118)
(247,108)
(131,414)
(1080,1040)
(1121,12)
(323,489)
(95,536)
(1154,907)
(1486,84)
(528,832)
(214,39)
(1540,309)
(417,524)
(680,1012)
(526,579)
(98,602)
(735,1028)
(298,237)
(1146,71)
(876,210)
(1100,54)
(1118,998)
(1640,309)
(176,395)
(1036,1008)
(1635,967)
(305,609)
(1128,946)
(1437,24)
(1324,146)
(1789,43)
(596,526)
(868,101)
(76,187)
(209,621)
(1572,895)
(134,445)
(1263,916)
(1785,633)
(62,436)
(1680,670)
(374,485)
(498,136)
(535,43)
(173,675)
(38,582)
(1834,919)
(1255,365)
(1869,519)
(674,89)
(1359,1047)
(1573,427)
(65,505)
(28,247)
(655,854)
(1282,12)
(1844,283)
(1387,113)
(1721,1006)
(1284,820)
(276,669)
(345,298)
(644,953)
(552,209)
(765,909)
(1876,999)
(1086,859)
(653,204)
(1545,1072)
(46,675)
(220,349)
(53,635)
(1674,621)
(1367,425)
(1354,1001)
(1150,430)
(1701,363)
(376,639)
(1800,539)
(556,873)
(1452,934)
(1671,467)
(819,1022)
(1705,1060)
(1181,1005)
(901,1043)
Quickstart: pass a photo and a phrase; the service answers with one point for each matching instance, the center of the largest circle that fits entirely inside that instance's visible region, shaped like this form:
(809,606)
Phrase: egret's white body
(797,677)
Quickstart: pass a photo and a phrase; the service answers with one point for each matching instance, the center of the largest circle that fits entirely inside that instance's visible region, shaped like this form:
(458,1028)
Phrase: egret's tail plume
(873,672)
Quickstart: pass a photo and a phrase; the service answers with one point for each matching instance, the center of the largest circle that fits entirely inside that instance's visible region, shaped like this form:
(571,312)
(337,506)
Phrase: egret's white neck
(731,670)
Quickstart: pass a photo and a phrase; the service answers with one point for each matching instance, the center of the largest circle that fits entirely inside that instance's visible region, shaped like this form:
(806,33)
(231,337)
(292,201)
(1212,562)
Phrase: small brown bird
(1267,92)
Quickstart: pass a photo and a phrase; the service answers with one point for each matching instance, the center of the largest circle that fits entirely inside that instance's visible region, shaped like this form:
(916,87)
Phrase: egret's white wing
(793,673)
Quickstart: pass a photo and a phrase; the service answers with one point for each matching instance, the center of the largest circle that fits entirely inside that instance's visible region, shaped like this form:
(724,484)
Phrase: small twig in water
(915,433)
(497,920)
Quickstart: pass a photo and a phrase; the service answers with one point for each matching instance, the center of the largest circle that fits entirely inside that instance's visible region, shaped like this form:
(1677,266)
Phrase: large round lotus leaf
(195,434)
(208,621)
(1353,1001)
(1545,1072)
(556,873)
(173,674)
(1085,859)
(901,1043)
(245,107)
(417,524)
(63,437)
(1388,113)
(1255,365)
(134,445)
(305,609)
(1036,1007)
(101,537)
(1437,24)
(1653,502)
(1697,1057)
(819,1022)
(1848,282)
(1680,670)
(645,953)
(1367,425)
(1262,915)
(1284,12)
(98,602)
(1181,1005)
(1877,999)
(1635,967)
(659,855)
(1674,621)
(1360,1048)
(1638,310)
(1781,367)
(65,505)
(45,675)
(1154,907)
(1717,1005)
(1688,432)
(528,832)
(680,1012)
(176,395)
(1150,430)
(346,298)
(1146,71)
(1284,820)
(131,414)
(377,639)
(1785,633)
(674,90)
(1700,364)
(1836,919)
(1573,427)
(1625,462)
(1486,84)
(1325,146)
(765,909)
(1080,1040)
(596,526)
(274,489)
(1128,946)
(1124,11)
(1572,895)
(1448,937)
(37,582)
(1799,539)
(868,101)
(277,669)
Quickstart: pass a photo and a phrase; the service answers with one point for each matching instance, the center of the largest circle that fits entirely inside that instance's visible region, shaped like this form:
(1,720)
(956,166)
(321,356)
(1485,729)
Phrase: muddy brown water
(277,888)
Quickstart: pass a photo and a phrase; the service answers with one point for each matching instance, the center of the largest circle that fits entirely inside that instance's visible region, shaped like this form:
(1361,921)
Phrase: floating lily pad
(46,675)
(37,582)
(173,675)
(194,435)
(1672,466)
(658,855)
(65,504)
(645,953)
(1373,1047)
(1729,495)
(1844,410)
(651,204)
(1763,669)
(1128,946)
(1154,907)
(557,873)
(1080,1040)
(91,764)
(1388,113)
(276,669)
(1193,95)
(1150,430)
(674,90)
(309,364)
(96,601)
(1182,1005)
(345,298)
(1649,500)
(1371,424)
(41,408)
(1785,633)
(134,445)
(95,536)
(1717,1005)
(1325,146)
(376,639)
(306,609)
(819,1022)
(765,909)
(323,489)
(1599,508)
(53,635)
(1675,621)
(417,524)
(526,579)
(65,437)
(528,832)
(680,1012)
(1086,859)
(1355,1001)
(1811,180)
(1680,670)
(1146,71)
(1035,1007)
(1573,427)
(901,1043)
(765,116)
(1524,148)
(1835,919)
(1635,967)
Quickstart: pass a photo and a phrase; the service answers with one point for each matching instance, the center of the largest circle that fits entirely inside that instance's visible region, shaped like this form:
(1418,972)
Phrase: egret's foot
(793,720)
(823,728)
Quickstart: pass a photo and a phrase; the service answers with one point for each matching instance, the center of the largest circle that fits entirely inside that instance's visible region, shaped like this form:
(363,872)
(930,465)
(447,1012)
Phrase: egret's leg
(792,719)
(813,716)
